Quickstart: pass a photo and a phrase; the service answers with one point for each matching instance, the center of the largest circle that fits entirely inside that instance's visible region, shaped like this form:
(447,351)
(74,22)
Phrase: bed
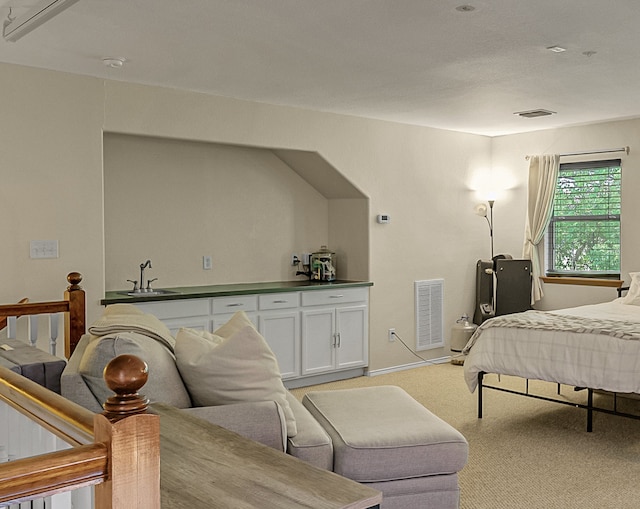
(594,347)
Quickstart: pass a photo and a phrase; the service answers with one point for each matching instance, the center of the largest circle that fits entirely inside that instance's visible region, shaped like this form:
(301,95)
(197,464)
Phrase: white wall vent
(429,297)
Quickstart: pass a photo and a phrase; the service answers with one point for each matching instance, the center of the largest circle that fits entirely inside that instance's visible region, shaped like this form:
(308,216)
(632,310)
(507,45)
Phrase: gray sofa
(418,475)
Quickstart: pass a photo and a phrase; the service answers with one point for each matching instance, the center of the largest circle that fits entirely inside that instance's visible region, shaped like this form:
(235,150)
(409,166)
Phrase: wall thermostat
(383,218)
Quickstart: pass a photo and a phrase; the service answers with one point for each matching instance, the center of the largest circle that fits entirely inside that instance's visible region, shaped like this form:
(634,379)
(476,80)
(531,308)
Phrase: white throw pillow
(233,365)
(633,295)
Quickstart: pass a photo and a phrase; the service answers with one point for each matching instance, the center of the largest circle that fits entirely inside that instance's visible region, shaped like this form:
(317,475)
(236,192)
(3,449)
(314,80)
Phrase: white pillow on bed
(633,295)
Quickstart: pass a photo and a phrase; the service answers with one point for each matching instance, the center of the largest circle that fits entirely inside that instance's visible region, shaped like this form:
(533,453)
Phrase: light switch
(43,249)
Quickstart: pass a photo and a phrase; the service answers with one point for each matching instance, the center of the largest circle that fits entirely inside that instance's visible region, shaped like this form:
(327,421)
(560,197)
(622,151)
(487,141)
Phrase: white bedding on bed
(593,360)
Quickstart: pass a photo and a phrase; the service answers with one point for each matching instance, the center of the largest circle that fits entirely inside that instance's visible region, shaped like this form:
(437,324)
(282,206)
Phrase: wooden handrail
(64,418)
(3,318)
(55,472)
(35,308)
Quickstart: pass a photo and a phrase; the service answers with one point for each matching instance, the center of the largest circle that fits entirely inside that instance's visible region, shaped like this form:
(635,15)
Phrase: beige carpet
(527,453)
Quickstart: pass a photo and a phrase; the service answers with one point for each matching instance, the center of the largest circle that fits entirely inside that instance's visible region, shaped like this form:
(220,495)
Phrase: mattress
(593,356)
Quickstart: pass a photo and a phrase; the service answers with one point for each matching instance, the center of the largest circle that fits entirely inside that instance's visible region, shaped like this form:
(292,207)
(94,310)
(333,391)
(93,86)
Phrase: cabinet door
(281,330)
(318,340)
(352,345)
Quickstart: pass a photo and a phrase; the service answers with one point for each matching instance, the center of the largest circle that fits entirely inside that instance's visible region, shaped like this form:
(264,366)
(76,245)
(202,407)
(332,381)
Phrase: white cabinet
(311,332)
(334,330)
(279,324)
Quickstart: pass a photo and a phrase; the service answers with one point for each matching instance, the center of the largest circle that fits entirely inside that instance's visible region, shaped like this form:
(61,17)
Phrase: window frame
(550,270)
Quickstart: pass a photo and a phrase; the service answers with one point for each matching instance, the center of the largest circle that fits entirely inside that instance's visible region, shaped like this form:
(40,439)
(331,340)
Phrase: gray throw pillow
(164,384)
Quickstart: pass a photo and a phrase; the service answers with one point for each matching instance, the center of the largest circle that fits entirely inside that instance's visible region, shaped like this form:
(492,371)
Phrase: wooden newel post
(132,437)
(76,298)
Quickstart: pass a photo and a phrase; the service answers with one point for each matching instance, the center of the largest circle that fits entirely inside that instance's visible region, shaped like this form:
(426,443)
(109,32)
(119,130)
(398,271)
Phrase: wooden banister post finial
(74,279)
(125,375)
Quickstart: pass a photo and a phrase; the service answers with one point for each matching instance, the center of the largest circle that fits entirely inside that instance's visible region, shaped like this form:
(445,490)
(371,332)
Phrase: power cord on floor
(395,335)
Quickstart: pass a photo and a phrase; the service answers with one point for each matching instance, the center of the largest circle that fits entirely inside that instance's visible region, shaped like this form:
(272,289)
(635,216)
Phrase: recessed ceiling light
(465,8)
(114,63)
(556,49)
(534,113)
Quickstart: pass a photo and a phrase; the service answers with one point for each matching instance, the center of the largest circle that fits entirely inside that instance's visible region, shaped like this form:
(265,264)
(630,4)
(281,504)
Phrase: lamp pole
(491,202)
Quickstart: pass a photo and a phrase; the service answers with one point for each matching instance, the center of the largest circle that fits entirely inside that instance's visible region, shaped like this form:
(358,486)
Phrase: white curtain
(543,173)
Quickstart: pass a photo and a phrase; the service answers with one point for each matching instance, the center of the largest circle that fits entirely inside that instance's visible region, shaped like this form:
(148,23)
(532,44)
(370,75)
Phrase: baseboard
(323,378)
(393,369)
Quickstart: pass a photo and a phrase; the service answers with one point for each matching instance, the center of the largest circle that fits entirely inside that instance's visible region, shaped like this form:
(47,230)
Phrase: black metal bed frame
(589,407)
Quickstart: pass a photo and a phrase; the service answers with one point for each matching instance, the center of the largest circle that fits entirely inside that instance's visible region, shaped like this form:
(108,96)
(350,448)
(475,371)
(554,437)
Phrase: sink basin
(147,293)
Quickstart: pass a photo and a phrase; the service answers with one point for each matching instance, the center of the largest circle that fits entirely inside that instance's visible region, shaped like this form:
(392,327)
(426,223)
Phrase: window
(583,237)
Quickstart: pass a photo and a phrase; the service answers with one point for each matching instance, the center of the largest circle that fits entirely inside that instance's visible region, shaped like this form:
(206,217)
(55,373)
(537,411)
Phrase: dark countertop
(198,292)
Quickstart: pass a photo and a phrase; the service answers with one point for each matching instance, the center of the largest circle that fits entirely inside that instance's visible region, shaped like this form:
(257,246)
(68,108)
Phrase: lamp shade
(480,209)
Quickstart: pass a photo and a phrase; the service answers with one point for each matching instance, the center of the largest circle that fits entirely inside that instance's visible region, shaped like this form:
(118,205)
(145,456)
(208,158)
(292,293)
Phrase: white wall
(52,135)
(174,201)
(425,179)
(509,156)
(51,182)
(420,176)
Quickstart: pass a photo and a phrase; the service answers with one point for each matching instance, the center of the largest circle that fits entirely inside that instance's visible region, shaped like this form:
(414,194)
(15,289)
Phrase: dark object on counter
(323,265)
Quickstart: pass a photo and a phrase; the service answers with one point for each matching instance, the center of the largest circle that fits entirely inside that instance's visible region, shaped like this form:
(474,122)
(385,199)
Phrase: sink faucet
(142,267)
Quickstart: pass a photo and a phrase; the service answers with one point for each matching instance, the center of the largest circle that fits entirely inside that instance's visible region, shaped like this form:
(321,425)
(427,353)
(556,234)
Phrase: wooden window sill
(584,281)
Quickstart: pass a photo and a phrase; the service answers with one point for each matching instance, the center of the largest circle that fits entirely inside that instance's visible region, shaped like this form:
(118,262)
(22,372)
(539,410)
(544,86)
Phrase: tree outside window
(583,237)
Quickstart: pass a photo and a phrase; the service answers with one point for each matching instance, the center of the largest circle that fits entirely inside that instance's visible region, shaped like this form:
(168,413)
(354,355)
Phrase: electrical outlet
(392,335)
(206,263)
(295,260)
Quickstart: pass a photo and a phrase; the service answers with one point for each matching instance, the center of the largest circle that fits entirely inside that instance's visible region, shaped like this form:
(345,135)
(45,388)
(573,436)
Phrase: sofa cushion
(311,444)
(383,434)
(262,421)
(233,365)
(128,318)
(164,384)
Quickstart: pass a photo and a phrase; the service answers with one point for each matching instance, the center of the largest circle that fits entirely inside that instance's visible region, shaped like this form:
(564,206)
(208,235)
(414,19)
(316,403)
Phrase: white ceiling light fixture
(15,28)
(114,62)
(557,49)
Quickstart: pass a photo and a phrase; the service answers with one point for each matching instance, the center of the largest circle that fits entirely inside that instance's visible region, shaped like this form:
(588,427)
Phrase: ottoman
(385,439)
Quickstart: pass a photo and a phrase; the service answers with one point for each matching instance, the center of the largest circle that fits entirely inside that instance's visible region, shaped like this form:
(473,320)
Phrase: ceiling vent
(534,113)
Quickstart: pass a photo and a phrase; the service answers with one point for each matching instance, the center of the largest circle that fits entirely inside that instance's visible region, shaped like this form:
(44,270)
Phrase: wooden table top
(203,465)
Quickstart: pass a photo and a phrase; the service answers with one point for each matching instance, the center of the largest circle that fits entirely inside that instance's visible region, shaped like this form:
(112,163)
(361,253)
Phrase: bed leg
(589,410)
(480,377)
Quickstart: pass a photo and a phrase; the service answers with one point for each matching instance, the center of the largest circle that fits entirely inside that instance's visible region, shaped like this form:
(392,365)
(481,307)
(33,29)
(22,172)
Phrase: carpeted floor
(527,453)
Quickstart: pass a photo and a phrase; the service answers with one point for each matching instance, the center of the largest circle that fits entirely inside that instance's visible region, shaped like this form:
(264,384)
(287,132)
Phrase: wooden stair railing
(73,306)
(118,451)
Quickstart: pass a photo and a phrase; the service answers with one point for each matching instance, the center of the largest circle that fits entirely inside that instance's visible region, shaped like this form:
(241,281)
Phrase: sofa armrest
(312,443)
(73,386)
(261,421)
